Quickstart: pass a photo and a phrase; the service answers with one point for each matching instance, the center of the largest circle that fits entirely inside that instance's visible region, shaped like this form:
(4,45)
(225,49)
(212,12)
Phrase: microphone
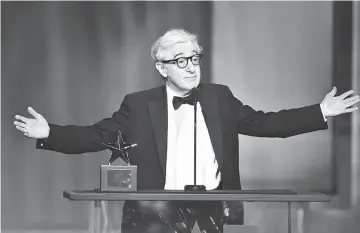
(195,94)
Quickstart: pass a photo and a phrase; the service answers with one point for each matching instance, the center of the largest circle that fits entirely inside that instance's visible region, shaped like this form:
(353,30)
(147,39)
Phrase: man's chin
(191,86)
(188,87)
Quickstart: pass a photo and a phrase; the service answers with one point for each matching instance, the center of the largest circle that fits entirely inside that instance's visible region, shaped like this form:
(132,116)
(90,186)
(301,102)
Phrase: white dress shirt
(180,148)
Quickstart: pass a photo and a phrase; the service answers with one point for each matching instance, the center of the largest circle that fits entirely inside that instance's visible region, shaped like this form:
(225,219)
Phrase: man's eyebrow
(178,54)
(183,53)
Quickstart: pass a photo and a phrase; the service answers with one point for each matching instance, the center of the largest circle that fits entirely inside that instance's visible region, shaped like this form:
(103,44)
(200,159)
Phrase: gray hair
(171,37)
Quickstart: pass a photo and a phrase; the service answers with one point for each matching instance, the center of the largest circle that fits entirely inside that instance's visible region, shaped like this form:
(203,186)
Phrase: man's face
(182,80)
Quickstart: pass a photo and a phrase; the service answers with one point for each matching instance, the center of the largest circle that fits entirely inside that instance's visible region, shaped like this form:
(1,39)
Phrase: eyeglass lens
(183,61)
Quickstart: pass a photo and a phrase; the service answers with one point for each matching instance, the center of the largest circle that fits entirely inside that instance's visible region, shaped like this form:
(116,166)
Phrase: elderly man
(160,120)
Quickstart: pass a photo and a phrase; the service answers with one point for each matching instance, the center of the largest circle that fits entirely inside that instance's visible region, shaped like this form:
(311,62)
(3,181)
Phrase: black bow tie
(178,101)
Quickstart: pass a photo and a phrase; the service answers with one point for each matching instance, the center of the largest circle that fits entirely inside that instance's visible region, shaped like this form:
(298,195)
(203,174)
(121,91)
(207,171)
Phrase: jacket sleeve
(73,139)
(282,124)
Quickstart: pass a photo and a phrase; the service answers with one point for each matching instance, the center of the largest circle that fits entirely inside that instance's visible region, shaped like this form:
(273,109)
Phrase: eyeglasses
(182,62)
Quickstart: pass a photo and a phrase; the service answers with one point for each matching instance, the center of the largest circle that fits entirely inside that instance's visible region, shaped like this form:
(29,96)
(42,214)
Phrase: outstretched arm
(73,139)
(286,123)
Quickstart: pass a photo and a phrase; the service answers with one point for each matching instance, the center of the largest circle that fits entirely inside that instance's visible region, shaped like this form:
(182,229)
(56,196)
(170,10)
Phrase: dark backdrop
(74,62)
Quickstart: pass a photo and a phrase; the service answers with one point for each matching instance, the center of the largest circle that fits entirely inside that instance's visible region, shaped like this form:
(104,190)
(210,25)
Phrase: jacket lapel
(210,108)
(159,121)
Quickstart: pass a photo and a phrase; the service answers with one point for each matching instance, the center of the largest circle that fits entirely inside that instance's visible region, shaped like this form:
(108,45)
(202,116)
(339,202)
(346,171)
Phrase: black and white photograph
(180,116)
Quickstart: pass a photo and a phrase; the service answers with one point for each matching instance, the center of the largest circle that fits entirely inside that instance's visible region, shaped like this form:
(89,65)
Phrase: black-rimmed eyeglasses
(182,62)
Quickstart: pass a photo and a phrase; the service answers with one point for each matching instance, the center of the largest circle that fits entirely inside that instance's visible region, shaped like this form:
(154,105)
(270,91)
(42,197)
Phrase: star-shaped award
(119,149)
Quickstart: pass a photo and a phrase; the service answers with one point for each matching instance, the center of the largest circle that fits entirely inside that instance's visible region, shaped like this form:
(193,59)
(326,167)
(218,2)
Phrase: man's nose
(190,67)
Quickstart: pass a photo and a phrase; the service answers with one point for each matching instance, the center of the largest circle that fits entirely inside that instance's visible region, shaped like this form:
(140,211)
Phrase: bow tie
(178,101)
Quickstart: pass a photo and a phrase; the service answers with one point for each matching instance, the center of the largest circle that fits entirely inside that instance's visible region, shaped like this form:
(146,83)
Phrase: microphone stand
(195,187)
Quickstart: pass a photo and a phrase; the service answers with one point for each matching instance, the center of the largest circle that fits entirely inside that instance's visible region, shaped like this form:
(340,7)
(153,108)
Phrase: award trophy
(119,178)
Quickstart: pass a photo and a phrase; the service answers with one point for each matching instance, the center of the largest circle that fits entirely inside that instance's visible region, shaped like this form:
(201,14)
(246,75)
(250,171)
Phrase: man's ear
(161,69)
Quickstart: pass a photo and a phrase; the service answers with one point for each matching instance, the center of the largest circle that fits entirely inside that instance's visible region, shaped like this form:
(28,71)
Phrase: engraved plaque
(118,178)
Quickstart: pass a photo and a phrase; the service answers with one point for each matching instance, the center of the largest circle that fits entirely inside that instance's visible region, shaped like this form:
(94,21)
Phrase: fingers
(33,113)
(351,101)
(333,91)
(24,119)
(25,131)
(20,124)
(346,94)
(351,109)
(22,129)
(351,98)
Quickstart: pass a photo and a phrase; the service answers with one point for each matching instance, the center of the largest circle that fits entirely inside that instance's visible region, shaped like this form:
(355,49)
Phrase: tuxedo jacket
(142,119)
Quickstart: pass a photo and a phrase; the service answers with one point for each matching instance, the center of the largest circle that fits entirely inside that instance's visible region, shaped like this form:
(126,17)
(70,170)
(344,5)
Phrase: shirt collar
(171,93)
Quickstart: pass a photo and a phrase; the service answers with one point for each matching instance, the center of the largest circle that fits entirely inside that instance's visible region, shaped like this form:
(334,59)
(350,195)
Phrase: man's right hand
(36,127)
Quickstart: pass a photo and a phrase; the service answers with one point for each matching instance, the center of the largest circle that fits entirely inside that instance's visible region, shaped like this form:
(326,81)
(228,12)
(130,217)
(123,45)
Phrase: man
(161,123)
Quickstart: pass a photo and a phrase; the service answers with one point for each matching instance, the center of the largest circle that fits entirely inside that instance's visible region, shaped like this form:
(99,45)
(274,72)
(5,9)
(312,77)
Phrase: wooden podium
(99,198)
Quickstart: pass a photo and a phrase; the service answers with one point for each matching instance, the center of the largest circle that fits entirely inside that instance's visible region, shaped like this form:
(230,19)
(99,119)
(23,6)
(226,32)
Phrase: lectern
(286,196)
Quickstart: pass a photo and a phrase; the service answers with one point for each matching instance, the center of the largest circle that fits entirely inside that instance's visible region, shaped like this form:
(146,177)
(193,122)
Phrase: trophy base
(118,178)
(195,188)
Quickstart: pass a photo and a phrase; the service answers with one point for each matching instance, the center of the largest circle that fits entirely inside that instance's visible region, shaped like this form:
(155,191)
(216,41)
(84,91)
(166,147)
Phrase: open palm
(36,127)
(335,105)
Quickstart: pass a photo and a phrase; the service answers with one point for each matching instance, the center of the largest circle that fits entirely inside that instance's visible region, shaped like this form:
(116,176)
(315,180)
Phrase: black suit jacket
(142,118)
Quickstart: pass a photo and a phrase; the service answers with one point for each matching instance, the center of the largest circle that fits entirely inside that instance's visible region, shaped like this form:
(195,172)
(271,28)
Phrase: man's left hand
(335,105)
